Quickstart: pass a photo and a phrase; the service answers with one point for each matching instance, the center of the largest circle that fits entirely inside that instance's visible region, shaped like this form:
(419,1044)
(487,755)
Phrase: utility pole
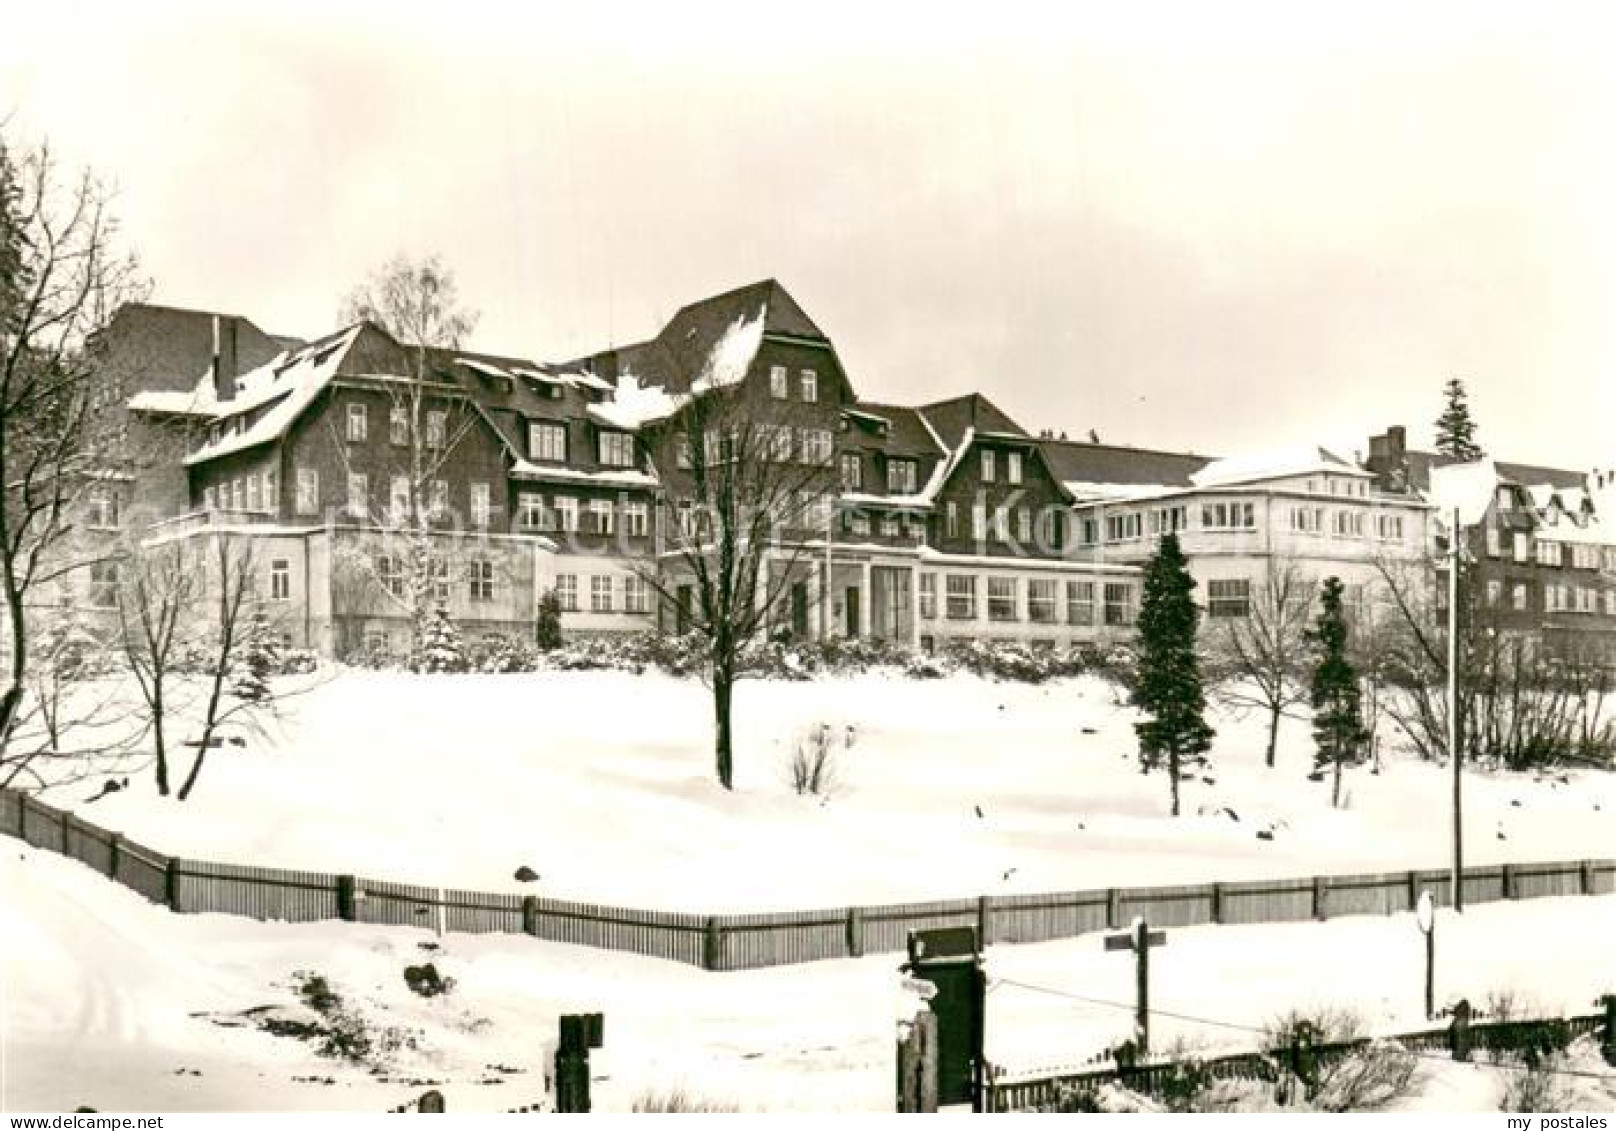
(1454,753)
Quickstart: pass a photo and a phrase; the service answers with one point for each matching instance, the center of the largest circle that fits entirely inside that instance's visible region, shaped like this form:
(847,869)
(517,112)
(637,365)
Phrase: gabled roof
(1532,475)
(951,419)
(164,348)
(1285,463)
(1106,470)
(906,433)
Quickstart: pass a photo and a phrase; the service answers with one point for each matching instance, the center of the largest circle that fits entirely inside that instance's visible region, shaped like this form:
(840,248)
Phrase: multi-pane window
(1584,556)
(398,426)
(1389,527)
(600,593)
(1229,516)
(280,580)
(358,492)
(480,579)
(989,456)
(1228,598)
(1118,603)
(616,449)
(398,497)
(961,593)
(852,472)
(808,381)
(928,596)
(636,520)
(902,476)
(816,445)
(681,449)
(1549,553)
(1001,522)
(1495,542)
(1167,520)
(891,527)
(547,441)
(602,516)
(104,510)
(1080,603)
(636,594)
(979,521)
(779,387)
(775,442)
(1012,467)
(481,504)
(1495,592)
(1024,524)
(1123,527)
(252,492)
(1518,596)
(272,494)
(358,422)
(308,491)
(437,429)
(1522,546)
(1041,599)
(530,511)
(858,523)
(1347,524)
(1307,520)
(390,572)
(1002,598)
(566,509)
(104,585)
(438,574)
(951,519)
(438,498)
(566,591)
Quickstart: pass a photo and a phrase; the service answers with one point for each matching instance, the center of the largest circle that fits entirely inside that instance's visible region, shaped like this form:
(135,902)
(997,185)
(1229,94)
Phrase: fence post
(1413,890)
(1321,897)
(67,822)
(347,911)
(114,854)
(1113,908)
(1607,1040)
(984,919)
(579,1033)
(712,949)
(22,817)
(917,1064)
(171,884)
(1509,881)
(530,914)
(855,933)
(1587,877)
(1459,1032)
(1217,903)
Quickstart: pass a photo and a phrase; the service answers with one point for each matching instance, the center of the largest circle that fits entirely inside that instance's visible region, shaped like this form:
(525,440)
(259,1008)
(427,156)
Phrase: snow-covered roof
(918,501)
(1253,467)
(483,367)
(871,417)
(620,477)
(1085,492)
(173,402)
(633,405)
(732,354)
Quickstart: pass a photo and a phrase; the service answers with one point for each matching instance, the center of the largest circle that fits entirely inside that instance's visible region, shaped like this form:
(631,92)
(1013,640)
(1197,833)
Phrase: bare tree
(750,495)
(61,277)
(1260,659)
(418,303)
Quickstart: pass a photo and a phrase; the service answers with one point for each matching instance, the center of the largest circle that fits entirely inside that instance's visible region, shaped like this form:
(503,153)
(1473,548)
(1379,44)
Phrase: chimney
(224,357)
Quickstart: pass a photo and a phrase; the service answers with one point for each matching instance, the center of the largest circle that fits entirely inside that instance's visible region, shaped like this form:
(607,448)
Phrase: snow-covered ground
(115,1003)
(601,782)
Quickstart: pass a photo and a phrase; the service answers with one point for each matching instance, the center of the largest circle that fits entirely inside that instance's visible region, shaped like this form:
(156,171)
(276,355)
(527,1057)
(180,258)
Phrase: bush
(1536,1088)
(813,761)
(298,661)
(547,622)
(1369,1079)
(679,1101)
(501,656)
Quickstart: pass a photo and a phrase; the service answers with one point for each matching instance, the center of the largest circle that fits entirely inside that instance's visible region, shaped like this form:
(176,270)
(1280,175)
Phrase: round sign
(1425,912)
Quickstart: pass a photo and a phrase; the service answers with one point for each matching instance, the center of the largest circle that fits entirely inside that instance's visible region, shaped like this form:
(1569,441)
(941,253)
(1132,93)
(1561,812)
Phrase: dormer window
(901,476)
(1012,467)
(616,449)
(358,423)
(547,441)
(988,464)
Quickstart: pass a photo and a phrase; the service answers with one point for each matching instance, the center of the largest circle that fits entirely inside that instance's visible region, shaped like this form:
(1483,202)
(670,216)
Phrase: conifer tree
(1338,727)
(547,622)
(1455,430)
(1169,691)
(441,647)
(260,659)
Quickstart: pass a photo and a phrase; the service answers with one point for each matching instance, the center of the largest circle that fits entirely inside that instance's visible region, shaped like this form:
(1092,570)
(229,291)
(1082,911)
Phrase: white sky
(1214,226)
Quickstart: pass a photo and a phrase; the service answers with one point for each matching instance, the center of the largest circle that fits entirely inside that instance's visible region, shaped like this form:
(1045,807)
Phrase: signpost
(1425,916)
(1139,939)
(950,959)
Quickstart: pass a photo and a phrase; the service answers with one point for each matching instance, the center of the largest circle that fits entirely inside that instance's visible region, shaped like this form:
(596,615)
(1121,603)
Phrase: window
(891,527)
(1118,603)
(1495,592)
(1002,598)
(566,591)
(1307,520)
(480,579)
(208,498)
(252,492)
(308,491)
(928,596)
(1089,532)
(1523,546)
(816,445)
(988,456)
(272,494)
(438,498)
(438,572)
(809,382)
(778,383)
(636,595)
(1012,467)
(852,472)
(902,476)
(775,442)
(1549,553)
(961,597)
(566,513)
(104,510)
(1347,524)
(398,501)
(1122,527)
(390,572)
(1229,516)
(104,585)
(1024,524)
(280,580)
(481,504)
(398,426)
(636,520)
(1517,597)
(1041,601)
(1001,523)
(616,449)
(358,423)
(600,593)
(1495,547)
(951,519)
(1389,527)
(602,516)
(1080,603)
(857,522)
(681,449)
(436,428)
(1167,520)
(547,441)
(979,522)
(530,512)
(1584,556)
(358,492)
(1228,598)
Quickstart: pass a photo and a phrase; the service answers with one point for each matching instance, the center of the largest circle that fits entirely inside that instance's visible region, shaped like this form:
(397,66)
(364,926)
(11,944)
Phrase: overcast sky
(1208,226)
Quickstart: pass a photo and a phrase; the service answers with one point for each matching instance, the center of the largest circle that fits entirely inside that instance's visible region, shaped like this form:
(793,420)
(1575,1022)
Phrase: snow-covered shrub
(298,661)
(502,656)
(1537,1088)
(1370,1078)
(601,653)
(1327,1023)
(441,647)
(1017,662)
(679,1101)
(921,666)
(260,658)
(813,761)
(675,654)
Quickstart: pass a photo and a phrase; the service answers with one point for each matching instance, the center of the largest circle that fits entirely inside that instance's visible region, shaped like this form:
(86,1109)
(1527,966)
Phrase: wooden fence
(741,942)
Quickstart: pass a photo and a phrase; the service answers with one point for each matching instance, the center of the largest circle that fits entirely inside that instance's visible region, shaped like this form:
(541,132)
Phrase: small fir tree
(1168,690)
(441,647)
(260,659)
(1455,430)
(547,622)
(1338,727)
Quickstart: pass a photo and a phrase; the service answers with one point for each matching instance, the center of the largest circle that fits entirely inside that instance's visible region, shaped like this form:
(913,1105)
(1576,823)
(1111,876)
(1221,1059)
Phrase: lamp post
(1454,752)
(1425,916)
